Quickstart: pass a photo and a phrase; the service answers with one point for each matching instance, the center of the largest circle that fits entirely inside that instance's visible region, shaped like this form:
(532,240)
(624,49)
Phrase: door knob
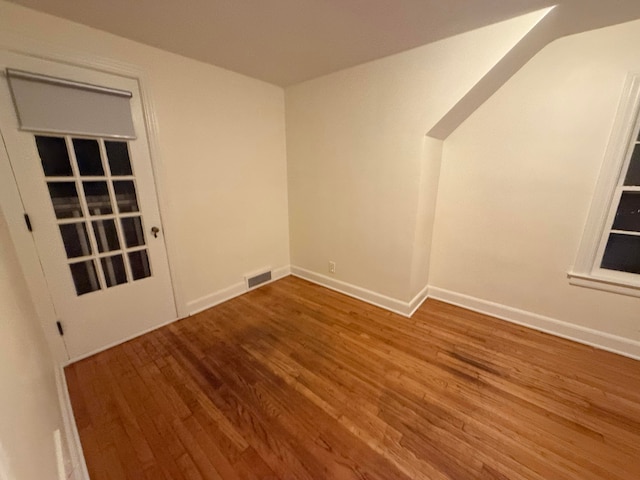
(155,231)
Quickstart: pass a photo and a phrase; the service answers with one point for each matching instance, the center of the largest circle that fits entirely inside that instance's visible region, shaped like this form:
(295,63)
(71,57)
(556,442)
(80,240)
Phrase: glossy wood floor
(294,381)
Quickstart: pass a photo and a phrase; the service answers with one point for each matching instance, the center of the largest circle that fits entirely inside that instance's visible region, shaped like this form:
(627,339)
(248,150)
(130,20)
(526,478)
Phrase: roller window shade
(55,105)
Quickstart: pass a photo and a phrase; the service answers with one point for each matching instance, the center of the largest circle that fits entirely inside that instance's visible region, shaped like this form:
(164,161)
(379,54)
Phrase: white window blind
(55,105)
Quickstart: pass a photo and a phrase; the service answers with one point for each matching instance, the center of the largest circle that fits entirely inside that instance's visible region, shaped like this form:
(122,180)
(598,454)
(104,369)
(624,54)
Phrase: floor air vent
(259,279)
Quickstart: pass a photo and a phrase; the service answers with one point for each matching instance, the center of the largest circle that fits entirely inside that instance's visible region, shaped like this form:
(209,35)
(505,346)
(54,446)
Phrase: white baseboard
(406,309)
(232,291)
(587,336)
(418,300)
(118,342)
(193,307)
(74,466)
(211,300)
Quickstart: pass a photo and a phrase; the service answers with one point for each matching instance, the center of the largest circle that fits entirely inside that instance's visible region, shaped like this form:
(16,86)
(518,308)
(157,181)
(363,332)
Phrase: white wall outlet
(332,267)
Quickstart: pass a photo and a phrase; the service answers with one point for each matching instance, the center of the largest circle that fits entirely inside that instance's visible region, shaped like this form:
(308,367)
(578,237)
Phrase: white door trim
(13,210)
(11,203)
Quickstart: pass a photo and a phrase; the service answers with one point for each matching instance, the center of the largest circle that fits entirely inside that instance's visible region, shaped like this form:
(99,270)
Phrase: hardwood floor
(294,381)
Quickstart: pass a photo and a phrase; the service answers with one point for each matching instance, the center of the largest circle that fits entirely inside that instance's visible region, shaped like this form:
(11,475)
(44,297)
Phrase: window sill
(606,284)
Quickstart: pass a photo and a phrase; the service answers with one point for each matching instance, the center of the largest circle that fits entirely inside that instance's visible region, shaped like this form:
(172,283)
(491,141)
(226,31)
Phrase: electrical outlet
(332,267)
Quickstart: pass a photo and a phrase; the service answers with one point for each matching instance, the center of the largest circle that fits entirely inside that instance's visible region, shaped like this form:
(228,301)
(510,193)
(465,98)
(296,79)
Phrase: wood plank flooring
(294,381)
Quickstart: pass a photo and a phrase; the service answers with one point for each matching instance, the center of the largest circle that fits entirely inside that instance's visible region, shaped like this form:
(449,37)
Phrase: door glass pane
(622,253)
(628,214)
(126,196)
(139,264)
(97,195)
(88,157)
(64,198)
(113,268)
(106,235)
(133,234)
(54,156)
(76,240)
(633,174)
(118,155)
(84,276)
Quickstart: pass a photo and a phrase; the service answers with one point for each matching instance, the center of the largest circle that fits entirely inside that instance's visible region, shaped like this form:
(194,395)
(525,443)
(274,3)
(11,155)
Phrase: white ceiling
(288,41)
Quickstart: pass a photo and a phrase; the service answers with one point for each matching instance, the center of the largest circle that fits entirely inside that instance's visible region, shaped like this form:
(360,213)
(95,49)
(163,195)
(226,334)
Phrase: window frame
(586,271)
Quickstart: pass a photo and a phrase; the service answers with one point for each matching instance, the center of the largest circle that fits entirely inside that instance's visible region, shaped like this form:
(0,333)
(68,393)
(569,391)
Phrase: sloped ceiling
(564,19)
(286,41)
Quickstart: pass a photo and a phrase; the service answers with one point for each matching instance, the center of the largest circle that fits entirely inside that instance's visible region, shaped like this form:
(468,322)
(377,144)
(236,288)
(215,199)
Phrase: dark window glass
(133,234)
(97,195)
(113,268)
(106,235)
(88,157)
(139,264)
(633,174)
(64,198)
(54,156)
(126,196)
(622,253)
(628,214)
(118,155)
(76,240)
(84,277)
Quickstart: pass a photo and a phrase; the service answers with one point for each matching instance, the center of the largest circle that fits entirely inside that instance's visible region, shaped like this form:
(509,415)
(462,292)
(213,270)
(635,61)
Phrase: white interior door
(92,205)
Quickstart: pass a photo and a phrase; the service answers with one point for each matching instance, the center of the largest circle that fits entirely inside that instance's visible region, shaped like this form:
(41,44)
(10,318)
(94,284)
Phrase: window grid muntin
(110,253)
(87,219)
(111,216)
(114,207)
(626,232)
(86,216)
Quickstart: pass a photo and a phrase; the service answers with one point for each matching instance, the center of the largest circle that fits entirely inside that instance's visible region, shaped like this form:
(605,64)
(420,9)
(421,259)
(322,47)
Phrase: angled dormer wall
(517,180)
(363,176)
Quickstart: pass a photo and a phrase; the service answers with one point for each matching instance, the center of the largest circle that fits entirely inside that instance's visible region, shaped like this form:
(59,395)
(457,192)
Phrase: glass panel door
(96,246)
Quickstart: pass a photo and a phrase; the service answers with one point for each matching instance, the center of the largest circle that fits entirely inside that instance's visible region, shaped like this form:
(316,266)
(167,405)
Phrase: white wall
(517,179)
(362,176)
(221,143)
(29,401)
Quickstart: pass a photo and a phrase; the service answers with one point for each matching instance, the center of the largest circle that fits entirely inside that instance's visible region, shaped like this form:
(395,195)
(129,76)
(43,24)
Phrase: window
(93,195)
(609,256)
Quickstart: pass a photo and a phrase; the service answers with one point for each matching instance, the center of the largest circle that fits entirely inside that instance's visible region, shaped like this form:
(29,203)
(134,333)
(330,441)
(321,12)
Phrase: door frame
(13,209)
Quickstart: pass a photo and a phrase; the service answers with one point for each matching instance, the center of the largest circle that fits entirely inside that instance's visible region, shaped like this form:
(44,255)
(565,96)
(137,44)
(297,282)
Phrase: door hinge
(60,329)
(27,220)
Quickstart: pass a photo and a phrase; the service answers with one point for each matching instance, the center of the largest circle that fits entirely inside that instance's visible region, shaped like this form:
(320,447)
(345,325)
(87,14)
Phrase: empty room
(306,239)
